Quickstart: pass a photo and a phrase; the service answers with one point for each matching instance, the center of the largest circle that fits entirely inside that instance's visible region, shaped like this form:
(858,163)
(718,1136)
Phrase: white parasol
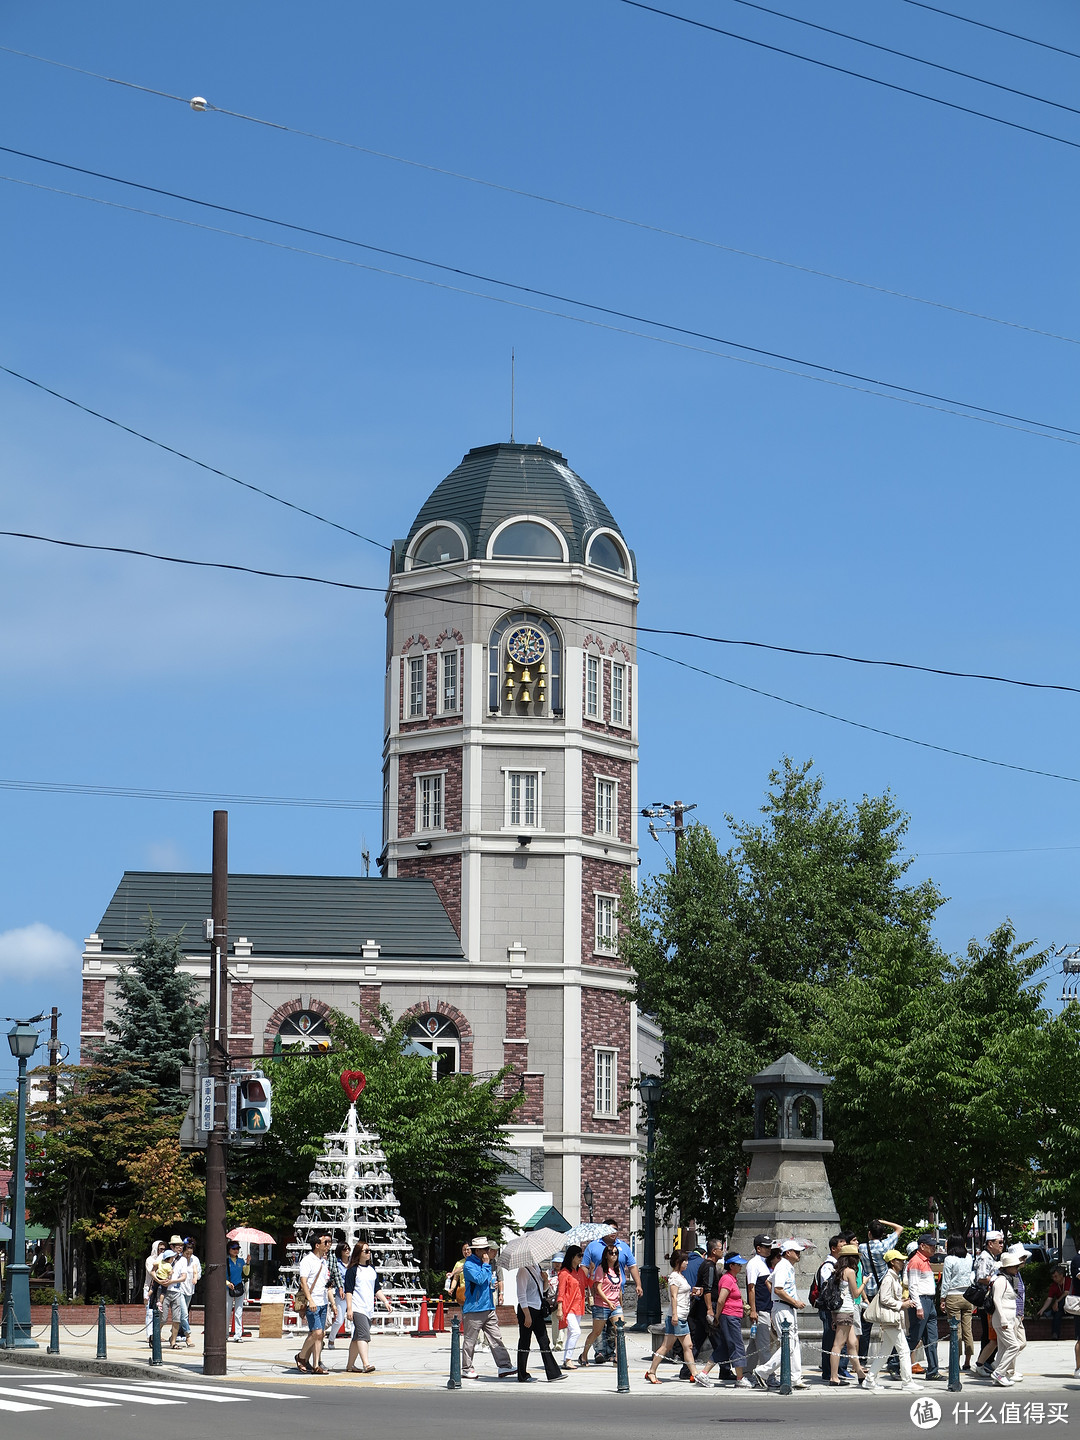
(530,1249)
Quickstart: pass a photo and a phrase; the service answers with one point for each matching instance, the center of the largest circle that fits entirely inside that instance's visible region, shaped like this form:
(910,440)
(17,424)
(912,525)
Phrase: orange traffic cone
(440,1321)
(424,1327)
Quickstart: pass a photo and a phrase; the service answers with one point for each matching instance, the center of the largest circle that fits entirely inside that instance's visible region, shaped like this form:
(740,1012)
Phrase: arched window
(607,554)
(770,1116)
(526,540)
(522,645)
(304,1030)
(806,1117)
(438,547)
(441,1036)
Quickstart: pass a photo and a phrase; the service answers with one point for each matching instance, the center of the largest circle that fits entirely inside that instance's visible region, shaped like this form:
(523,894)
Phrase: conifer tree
(157,1014)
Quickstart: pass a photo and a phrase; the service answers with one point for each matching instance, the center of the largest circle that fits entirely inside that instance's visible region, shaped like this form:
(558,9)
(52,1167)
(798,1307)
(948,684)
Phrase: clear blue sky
(760,505)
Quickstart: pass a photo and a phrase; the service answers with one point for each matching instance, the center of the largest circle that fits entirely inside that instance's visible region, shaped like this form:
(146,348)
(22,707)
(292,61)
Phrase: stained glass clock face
(526,645)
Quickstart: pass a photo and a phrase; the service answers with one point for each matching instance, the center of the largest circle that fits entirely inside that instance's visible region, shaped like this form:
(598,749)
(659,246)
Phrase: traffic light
(253,1105)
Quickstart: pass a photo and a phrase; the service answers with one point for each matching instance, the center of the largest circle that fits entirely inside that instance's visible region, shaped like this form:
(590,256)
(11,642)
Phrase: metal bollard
(454,1383)
(54,1331)
(9,1327)
(102,1348)
(954,1353)
(155,1336)
(623,1387)
(785,1357)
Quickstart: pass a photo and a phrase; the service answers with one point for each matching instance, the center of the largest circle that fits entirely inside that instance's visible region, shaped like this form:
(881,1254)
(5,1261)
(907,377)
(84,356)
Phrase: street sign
(206,1104)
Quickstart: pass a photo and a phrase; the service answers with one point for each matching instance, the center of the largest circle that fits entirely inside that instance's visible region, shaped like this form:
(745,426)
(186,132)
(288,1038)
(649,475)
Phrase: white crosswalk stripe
(65,1399)
(130,1392)
(214,1392)
(16,1406)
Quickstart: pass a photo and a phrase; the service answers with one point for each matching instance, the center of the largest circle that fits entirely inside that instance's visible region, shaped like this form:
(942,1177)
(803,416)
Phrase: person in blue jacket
(478,1311)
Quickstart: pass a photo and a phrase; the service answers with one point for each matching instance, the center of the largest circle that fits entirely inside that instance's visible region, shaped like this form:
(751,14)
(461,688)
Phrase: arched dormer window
(525,666)
(607,553)
(441,1036)
(437,546)
(527,538)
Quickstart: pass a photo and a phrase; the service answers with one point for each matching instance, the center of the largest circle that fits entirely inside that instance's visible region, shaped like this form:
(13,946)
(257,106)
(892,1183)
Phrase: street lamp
(589,1198)
(23,1041)
(650,1090)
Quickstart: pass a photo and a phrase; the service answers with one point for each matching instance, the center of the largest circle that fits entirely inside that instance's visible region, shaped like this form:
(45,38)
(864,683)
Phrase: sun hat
(479,1242)
(891,1255)
(1015,1255)
(176,1240)
(233,1245)
(912,1247)
(994,1235)
(848,1250)
(734,1259)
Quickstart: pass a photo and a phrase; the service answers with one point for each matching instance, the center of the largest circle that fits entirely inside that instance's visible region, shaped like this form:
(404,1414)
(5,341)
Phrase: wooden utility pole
(214,1338)
(54,1060)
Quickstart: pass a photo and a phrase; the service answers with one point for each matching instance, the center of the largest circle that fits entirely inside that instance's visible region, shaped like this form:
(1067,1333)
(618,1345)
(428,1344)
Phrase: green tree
(158,1012)
(443,1139)
(733,951)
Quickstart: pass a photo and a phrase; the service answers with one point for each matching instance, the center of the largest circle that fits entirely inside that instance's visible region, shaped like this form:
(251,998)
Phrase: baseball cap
(762,1240)
(994,1235)
(927,1239)
(791,1244)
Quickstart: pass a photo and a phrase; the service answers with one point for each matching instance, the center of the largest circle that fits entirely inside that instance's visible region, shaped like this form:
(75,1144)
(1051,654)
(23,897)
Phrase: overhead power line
(831,373)
(983,25)
(379,589)
(905,55)
(853,74)
(201,797)
(564,204)
(642,649)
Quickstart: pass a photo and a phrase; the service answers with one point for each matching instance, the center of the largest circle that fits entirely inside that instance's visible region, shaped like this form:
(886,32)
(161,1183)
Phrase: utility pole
(214,1353)
(54,1056)
(674,818)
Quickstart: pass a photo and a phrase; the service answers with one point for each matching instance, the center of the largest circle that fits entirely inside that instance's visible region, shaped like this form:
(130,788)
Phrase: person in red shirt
(1055,1301)
(728,1350)
(573,1283)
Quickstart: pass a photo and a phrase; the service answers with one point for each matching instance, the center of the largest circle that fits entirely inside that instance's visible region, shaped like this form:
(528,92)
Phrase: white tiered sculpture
(352,1198)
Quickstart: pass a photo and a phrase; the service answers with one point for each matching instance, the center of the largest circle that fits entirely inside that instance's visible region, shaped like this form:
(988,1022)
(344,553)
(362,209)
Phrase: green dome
(496,483)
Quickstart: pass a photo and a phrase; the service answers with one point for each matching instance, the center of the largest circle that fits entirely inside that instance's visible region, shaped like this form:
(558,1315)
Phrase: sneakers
(759,1377)
(470,1375)
(1076,1374)
(743,1384)
(703,1380)
(999,1378)
(505,1374)
(911,1389)
(799,1385)
(986,1372)
(868,1383)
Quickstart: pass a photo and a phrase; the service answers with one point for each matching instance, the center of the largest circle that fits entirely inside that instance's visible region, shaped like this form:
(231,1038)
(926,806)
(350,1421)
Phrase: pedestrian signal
(254,1105)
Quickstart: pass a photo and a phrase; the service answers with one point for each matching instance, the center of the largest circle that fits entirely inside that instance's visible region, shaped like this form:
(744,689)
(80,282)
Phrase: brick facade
(419,762)
(609,1177)
(370,999)
(93,1018)
(609,768)
(241,1040)
(604,877)
(444,871)
(605,1021)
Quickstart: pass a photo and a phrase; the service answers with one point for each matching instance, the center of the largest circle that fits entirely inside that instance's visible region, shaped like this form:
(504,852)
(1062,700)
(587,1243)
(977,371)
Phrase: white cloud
(34,950)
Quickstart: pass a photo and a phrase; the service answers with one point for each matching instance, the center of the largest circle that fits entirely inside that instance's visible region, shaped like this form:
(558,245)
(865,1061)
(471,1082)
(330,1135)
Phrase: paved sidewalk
(424,1364)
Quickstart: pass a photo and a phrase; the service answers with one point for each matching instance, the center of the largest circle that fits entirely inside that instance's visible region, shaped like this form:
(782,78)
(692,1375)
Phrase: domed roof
(495,483)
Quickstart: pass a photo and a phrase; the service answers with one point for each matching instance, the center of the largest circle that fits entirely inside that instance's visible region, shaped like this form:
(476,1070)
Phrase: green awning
(5,1232)
(547,1218)
(38,1232)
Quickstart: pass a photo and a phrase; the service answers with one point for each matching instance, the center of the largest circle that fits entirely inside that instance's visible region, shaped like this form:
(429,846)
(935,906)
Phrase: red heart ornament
(352,1082)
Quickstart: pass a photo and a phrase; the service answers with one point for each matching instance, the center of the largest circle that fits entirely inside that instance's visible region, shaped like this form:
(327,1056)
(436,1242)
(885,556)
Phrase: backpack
(831,1294)
(815,1287)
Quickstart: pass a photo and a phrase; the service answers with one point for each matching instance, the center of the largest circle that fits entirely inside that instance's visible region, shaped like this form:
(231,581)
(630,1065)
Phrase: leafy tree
(1059,1154)
(443,1139)
(158,1013)
(733,952)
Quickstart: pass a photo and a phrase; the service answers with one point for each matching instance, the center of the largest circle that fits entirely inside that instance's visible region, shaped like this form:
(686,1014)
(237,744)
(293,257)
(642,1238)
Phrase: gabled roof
(329,915)
(790,1070)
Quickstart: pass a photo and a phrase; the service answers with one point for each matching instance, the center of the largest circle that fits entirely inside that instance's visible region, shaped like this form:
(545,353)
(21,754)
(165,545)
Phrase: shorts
(173,1308)
(361,1327)
(676,1327)
(603,1312)
(316,1317)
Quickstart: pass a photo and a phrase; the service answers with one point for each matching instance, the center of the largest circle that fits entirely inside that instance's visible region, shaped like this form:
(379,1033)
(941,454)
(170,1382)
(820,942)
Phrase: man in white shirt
(314,1282)
(191,1269)
(759,1300)
(785,1311)
(987,1265)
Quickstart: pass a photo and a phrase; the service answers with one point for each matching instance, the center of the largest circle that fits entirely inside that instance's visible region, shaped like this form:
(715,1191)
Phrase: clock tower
(510,782)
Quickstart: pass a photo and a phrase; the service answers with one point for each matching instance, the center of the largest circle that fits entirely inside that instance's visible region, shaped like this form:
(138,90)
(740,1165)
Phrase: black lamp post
(589,1198)
(650,1089)
(23,1041)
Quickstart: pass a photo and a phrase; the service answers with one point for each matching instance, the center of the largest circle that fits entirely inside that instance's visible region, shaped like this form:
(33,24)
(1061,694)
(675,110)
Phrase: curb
(116,1369)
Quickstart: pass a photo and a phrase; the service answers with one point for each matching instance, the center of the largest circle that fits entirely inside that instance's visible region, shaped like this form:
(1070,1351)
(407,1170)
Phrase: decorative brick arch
(449,1012)
(451,634)
(291,1007)
(413,641)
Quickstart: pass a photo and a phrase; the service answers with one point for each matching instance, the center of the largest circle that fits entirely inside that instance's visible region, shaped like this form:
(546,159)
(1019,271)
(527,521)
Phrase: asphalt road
(79,1407)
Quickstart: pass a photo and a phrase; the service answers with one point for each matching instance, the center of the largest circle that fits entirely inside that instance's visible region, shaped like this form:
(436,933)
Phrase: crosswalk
(19,1396)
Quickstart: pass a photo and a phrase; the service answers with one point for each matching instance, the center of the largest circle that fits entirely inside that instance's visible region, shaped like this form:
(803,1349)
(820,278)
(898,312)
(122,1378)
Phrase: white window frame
(605,945)
(594,663)
(444,656)
(605,1105)
(410,713)
(612,828)
(624,669)
(418,827)
(509,771)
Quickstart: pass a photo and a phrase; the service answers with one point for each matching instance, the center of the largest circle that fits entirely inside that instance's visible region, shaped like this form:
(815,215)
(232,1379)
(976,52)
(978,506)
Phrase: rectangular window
(450,681)
(606,1061)
(416,687)
(618,694)
(606,802)
(524,806)
(605,936)
(430,802)
(592,685)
